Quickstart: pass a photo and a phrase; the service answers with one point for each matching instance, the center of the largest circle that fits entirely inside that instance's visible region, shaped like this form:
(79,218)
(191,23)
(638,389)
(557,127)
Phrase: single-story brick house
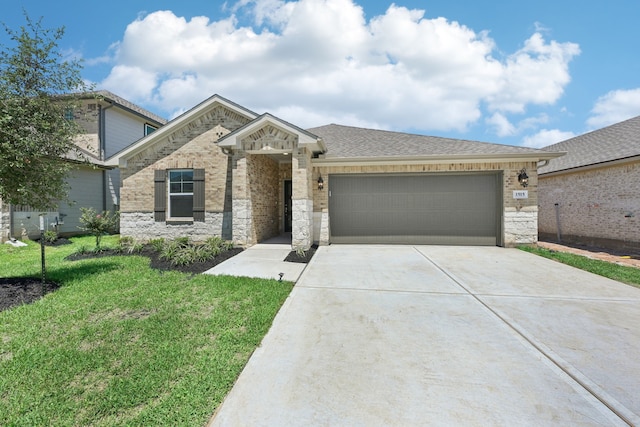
(221,169)
(592,195)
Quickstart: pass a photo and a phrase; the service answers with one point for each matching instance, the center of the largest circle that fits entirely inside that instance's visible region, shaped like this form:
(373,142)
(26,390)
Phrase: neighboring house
(592,195)
(110,123)
(221,169)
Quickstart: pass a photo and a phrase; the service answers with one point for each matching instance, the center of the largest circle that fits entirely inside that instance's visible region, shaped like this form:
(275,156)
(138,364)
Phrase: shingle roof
(129,105)
(352,142)
(618,141)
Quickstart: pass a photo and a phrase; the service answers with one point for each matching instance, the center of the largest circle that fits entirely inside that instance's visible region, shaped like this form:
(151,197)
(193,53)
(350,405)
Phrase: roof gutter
(414,160)
(592,166)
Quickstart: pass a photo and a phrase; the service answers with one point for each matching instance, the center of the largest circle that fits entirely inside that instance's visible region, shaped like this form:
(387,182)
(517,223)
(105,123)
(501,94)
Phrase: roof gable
(268,133)
(615,142)
(214,111)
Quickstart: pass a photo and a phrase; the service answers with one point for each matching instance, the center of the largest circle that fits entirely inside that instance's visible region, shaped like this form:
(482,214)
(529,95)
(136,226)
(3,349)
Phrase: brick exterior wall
(519,226)
(137,195)
(597,207)
(244,192)
(264,184)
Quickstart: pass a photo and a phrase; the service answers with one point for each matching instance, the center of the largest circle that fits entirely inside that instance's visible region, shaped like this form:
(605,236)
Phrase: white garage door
(415,209)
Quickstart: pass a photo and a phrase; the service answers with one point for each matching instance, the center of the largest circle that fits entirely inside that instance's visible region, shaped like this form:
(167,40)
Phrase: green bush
(50,236)
(182,252)
(97,224)
(129,245)
(157,244)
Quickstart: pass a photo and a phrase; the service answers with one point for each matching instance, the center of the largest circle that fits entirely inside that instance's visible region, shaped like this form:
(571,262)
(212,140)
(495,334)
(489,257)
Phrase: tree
(38,87)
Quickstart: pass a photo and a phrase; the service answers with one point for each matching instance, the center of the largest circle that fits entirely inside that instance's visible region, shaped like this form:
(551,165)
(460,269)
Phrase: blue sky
(519,73)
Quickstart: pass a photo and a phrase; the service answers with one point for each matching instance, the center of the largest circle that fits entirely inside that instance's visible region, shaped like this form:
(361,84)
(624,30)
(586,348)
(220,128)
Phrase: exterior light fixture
(320,183)
(523,178)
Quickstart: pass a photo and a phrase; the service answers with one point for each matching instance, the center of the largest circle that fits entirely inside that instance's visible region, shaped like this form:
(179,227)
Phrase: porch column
(302,200)
(241,202)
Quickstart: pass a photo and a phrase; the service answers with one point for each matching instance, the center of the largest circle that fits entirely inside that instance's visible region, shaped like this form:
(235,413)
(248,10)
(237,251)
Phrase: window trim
(149,129)
(170,216)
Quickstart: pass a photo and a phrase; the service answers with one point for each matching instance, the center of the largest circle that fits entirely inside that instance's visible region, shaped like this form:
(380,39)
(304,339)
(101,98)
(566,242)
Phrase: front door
(288,193)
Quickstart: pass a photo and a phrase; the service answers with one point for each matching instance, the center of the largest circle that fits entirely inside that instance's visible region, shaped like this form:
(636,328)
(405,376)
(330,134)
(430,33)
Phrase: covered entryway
(451,209)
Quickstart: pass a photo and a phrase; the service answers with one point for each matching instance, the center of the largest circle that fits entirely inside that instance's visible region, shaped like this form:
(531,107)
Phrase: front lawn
(621,273)
(120,343)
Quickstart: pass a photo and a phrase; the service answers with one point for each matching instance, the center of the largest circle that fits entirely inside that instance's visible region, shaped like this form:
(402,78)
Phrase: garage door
(415,209)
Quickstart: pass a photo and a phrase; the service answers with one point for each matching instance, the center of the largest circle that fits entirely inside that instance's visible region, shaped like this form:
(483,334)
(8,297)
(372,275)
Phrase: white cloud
(546,137)
(614,107)
(536,74)
(502,125)
(130,82)
(317,61)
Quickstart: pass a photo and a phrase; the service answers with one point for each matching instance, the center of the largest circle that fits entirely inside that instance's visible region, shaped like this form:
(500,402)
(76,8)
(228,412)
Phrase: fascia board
(415,160)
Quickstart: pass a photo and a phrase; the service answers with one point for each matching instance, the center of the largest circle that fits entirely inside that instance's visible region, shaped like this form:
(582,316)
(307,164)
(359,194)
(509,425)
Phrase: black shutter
(160,195)
(198,195)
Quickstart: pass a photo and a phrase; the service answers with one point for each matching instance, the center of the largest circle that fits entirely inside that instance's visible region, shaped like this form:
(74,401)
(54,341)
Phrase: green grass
(122,344)
(621,273)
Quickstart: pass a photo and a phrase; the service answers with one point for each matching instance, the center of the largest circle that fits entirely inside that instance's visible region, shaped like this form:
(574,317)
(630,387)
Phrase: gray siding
(122,129)
(86,192)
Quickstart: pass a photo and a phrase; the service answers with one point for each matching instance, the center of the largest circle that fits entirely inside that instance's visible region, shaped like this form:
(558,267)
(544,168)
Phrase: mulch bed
(161,264)
(301,258)
(23,290)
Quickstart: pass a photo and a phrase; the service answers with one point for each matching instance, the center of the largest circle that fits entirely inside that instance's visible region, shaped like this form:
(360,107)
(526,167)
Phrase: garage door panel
(419,209)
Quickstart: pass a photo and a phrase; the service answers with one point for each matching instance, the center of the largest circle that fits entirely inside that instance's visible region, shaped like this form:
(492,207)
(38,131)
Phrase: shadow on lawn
(16,291)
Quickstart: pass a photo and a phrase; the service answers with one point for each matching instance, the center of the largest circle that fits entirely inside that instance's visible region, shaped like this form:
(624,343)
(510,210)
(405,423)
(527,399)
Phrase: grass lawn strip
(122,344)
(624,274)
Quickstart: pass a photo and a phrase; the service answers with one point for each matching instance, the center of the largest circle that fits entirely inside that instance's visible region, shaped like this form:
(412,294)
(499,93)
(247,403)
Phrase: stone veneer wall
(302,203)
(520,216)
(142,227)
(598,206)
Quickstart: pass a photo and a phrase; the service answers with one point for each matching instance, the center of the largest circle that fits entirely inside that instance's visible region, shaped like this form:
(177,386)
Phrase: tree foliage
(38,85)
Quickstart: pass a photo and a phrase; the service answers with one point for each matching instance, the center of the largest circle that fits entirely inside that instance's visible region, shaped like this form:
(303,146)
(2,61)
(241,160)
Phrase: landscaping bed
(25,290)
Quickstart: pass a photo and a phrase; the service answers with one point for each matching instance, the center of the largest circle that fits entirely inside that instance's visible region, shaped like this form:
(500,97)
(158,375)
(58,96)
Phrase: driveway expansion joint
(573,374)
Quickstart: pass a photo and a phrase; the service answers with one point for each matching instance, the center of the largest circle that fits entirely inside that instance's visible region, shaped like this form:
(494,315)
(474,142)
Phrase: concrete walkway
(264,260)
(432,335)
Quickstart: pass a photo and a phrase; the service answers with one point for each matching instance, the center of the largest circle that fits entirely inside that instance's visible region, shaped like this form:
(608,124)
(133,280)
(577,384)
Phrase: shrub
(97,224)
(50,236)
(157,244)
(169,250)
(129,245)
(182,252)
(182,242)
(82,250)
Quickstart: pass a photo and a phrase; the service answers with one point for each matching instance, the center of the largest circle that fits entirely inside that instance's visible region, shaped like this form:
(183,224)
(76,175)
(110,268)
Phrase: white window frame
(149,129)
(170,194)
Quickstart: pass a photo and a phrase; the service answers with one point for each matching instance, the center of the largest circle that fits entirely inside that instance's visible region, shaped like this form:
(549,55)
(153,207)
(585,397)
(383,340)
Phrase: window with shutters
(181,193)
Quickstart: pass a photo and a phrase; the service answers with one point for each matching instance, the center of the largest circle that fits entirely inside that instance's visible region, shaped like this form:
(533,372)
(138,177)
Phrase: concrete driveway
(435,335)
